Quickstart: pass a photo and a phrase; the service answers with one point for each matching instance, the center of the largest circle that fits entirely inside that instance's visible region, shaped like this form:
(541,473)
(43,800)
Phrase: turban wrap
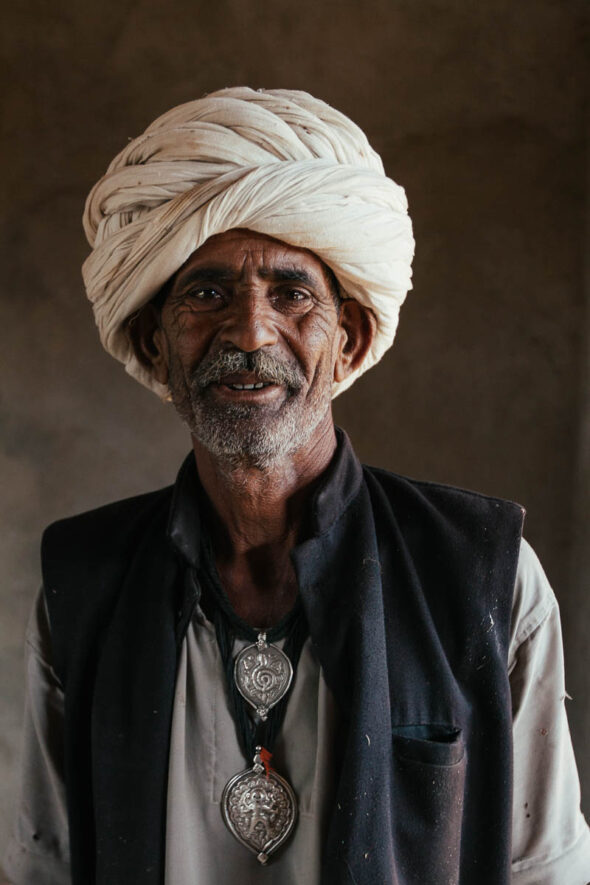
(277,162)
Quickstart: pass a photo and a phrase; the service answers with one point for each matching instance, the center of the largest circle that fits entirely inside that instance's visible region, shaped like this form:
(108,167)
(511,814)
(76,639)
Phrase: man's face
(249,336)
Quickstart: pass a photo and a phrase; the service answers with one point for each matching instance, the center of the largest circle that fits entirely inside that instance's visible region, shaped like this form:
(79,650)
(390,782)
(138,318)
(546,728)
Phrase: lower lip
(259,395)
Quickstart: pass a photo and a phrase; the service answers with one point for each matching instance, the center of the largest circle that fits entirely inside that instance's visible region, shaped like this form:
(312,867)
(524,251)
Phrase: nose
(249,324)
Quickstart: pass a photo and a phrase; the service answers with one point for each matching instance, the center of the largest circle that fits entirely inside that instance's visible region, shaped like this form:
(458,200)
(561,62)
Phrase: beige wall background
(478,109)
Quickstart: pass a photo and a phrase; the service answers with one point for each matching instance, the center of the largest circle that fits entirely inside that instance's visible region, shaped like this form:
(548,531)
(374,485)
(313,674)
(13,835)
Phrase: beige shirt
(551,841)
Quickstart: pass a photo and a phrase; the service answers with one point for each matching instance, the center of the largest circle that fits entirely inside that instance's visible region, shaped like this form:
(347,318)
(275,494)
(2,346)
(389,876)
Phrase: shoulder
(84,561)
(86,539)
(439,501)
(108,517)
(457,539)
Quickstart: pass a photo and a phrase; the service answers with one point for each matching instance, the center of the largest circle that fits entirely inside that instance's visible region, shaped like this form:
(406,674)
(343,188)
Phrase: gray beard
(247,434)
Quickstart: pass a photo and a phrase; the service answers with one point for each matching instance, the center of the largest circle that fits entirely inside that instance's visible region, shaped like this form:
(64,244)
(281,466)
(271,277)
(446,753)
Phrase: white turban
(277,162)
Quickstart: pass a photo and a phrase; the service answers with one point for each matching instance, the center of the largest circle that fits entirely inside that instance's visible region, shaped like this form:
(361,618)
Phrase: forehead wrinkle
(226,273)
(212,272)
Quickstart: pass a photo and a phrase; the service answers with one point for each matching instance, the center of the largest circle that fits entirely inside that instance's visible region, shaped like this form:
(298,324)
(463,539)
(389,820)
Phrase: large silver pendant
(259,808)
(263,674)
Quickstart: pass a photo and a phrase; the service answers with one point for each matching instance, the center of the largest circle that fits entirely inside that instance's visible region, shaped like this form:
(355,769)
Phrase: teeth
(248,386)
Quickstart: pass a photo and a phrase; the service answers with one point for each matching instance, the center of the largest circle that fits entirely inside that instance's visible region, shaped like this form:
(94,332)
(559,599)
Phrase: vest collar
(338,486)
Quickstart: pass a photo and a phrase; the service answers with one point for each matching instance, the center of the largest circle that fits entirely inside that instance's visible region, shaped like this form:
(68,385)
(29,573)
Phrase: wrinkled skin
(245,310)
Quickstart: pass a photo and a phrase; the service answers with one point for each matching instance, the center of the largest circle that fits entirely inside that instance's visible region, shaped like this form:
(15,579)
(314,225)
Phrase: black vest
(407,587)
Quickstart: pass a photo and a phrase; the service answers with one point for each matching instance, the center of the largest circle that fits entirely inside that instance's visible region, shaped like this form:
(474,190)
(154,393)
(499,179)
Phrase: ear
(358,327)
(149,341)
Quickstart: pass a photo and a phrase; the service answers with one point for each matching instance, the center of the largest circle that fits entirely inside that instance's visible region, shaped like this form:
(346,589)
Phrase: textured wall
(477,108)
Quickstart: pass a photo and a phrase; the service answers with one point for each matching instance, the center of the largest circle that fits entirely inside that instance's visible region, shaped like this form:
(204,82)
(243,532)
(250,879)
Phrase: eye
(204,296)
(203,293)
(290,299)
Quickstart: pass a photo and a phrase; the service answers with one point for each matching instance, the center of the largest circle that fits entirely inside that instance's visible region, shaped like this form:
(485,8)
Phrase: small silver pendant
(263,674)
(259,808)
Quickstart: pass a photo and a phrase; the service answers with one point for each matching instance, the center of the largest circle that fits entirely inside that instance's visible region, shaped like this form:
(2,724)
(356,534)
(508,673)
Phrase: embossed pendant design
(259,808)
(263,674)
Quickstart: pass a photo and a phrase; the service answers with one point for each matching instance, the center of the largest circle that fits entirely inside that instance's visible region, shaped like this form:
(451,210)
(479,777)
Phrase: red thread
(265,757)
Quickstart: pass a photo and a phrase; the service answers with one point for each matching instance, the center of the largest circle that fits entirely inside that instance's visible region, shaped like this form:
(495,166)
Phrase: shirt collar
(337,488)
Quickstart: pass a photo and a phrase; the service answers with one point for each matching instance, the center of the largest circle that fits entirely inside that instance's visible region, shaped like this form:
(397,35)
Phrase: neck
(256,518)
(254,507)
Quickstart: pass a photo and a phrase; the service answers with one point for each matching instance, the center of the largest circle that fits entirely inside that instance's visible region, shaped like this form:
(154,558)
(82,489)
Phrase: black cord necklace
(258,806)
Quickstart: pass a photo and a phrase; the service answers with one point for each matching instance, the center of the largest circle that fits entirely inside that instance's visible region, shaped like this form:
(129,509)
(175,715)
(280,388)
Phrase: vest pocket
(428,781)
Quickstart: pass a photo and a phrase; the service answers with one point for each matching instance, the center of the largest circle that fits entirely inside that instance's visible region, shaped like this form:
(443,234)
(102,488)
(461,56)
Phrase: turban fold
(277,162)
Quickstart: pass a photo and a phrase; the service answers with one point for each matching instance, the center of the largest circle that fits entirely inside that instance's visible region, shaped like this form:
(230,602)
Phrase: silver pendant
(263,674)
(259,808)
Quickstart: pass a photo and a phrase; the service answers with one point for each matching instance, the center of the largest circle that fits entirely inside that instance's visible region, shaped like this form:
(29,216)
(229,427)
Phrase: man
(285,668)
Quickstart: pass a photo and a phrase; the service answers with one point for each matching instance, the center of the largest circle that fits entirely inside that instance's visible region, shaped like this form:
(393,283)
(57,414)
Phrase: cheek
(187,343)
(182,325)
(320,343)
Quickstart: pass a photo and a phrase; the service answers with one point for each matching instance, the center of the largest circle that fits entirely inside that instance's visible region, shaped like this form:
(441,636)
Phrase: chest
(260,593)
(205,754)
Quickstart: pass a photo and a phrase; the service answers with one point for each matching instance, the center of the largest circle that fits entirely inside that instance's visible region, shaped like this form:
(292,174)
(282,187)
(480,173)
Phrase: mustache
(268,368)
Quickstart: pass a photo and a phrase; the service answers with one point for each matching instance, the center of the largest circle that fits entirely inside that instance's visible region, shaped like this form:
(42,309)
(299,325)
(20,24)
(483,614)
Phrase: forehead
(236,249)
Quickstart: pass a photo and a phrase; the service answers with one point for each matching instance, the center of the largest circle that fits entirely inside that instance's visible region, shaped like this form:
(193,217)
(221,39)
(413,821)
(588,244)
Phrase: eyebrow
(288,274)
(224,274)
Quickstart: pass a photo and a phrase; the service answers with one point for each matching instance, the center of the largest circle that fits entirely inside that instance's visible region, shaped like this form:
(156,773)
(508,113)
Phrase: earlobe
(149,342)
(358,326)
